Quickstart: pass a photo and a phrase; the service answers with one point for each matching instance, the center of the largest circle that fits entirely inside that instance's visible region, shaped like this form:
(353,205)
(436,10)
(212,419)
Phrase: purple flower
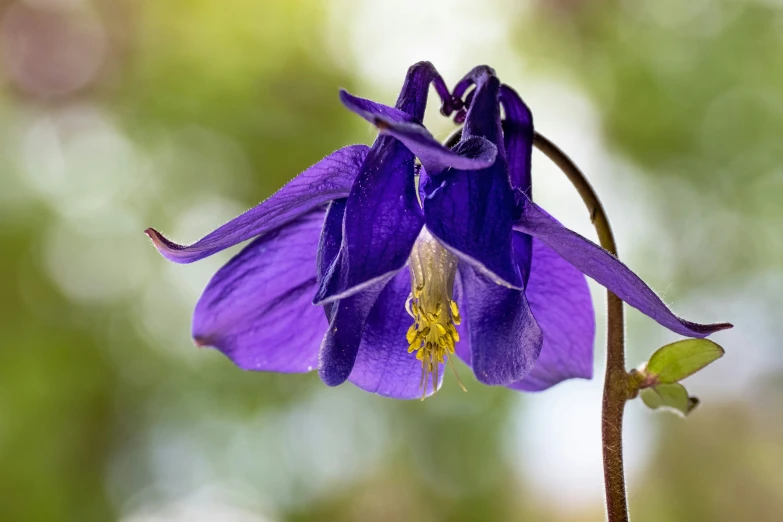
(492,277)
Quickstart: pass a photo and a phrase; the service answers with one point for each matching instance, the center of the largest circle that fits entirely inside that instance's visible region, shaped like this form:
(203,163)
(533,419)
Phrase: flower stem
(616,391)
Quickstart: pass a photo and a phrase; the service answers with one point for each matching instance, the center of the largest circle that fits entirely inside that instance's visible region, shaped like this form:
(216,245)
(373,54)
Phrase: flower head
(490,277)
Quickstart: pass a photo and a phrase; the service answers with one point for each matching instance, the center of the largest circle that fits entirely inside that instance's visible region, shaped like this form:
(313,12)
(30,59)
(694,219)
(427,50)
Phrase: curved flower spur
(492,277)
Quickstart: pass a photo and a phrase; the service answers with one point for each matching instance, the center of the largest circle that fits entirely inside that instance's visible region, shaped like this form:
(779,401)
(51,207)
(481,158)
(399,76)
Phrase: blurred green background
(116,115)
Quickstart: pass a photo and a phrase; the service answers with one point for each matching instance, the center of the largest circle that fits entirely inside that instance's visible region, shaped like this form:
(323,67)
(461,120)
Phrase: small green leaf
(676,361)
(672,396)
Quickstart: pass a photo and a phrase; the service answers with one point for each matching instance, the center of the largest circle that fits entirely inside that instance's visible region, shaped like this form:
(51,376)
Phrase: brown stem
(616,380)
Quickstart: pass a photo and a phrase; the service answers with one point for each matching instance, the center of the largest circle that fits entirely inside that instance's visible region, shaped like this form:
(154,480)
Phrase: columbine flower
(492,277)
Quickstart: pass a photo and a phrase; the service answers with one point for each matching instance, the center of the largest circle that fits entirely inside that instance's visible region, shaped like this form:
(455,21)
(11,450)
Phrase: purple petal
(382,220)
(483,116)
(413,96)
(347,316)
(595,262)
(412,101)
(329,249)
(383,364)
(523,251)
(518,138)
(475,152)
(462,347)
(346,326)
(257,309)
(479,154)
(329,179)
(505,339)
(560,301)
(369,110)
(472,214)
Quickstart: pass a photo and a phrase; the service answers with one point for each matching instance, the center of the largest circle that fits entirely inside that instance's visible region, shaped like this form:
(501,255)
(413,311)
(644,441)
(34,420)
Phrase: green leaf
(670,396)
(676,361)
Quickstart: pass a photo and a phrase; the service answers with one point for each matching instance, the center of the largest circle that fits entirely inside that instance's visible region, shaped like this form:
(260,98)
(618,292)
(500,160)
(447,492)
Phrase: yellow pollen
(433,333)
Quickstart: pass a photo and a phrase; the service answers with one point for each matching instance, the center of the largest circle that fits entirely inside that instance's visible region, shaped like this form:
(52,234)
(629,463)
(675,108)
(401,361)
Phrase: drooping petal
(370,110)
(329,179)
(595,262)
(479,154)
(346,325)
(560,301)
(518,138)
(382,220)
(413,95)
(329,249)
(412,101)
(472,212)
(483,116)
(523,252)
(383,364)
(504,337)
(257,309)
(347,316)
(475,152)
(382,215)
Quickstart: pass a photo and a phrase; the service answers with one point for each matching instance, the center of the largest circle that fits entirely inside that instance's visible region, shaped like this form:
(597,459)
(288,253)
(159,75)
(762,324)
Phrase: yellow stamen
(435,313)
(455,313)
(412,333)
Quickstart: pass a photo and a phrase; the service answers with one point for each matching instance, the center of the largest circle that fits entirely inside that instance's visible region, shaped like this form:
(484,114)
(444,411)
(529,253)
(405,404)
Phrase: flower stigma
(433,333)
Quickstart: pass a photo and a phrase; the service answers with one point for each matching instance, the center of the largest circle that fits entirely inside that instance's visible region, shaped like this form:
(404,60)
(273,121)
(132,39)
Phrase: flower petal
(369,110)
(257,309)
(595,262)
(475,152)
(413,95)
(505,339)
(382,220)
(330,178)
(518,139)
(434,156)
(329,249)
(383,364)
(383,216)
(483,116)
(560,301)
(346,317)
(346,326)
(472,214)
(412,101)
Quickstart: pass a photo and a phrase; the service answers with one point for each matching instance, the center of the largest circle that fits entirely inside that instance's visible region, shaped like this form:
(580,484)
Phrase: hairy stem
(616,380)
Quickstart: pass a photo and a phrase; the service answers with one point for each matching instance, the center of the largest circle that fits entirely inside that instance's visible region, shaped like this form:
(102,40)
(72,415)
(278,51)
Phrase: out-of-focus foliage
(691,92)
(723,464)
(116,115)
